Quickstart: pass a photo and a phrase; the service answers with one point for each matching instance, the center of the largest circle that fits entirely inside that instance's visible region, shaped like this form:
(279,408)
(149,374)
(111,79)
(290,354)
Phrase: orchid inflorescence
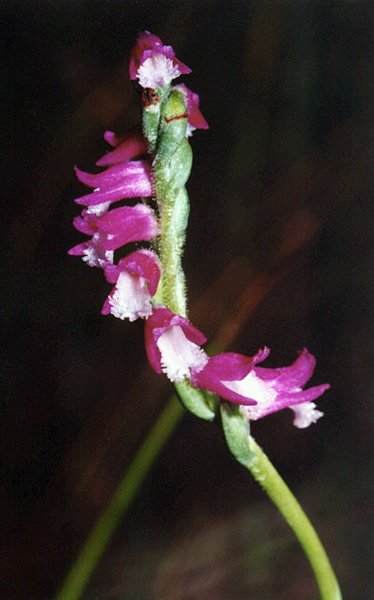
(153,164)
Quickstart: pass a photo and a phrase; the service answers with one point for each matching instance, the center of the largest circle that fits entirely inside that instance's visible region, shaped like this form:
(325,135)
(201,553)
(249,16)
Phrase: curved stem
(100,535)
(268,477)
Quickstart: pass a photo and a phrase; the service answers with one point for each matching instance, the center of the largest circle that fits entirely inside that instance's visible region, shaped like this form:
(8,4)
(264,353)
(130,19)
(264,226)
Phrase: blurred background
(280,251)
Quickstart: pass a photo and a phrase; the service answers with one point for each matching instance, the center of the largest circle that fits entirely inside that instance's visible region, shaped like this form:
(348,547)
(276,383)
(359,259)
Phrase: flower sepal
(236,430)
(202,404)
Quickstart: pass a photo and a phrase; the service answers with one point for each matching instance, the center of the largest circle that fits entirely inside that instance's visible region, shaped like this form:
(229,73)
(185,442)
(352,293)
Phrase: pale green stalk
(268,477)
(250,455)
(96,543)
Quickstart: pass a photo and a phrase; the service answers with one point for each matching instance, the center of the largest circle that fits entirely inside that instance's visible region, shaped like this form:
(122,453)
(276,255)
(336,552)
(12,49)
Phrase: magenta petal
(141,262)
(146,41)
(146,264)
(195,117)
(289,378)
(230,366)
(288,400)
(113,139)
(163,318)
(127,189)
(153,353)
(137,184)
(146,46)
(86,223)
(227,366)
(160,321)
(303,396)
(112,272)
(106,307)
(263,391)
(128,224)
(129,148)
(133,170)
(78,250)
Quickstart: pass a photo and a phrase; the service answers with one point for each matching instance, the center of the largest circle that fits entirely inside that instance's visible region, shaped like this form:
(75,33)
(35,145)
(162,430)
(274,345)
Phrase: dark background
(280,252)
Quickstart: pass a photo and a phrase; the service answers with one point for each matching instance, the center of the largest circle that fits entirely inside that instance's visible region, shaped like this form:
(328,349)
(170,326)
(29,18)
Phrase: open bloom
(173,344)
(195,117)
(261,391)
(112,230)
(92,251)
(128,224)
(129,179)
(136,279)
(153,63)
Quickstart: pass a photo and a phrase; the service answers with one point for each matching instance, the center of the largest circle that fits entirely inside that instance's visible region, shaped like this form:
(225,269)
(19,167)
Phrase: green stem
(172,241)
(170,175)
(268,477)
(99,537)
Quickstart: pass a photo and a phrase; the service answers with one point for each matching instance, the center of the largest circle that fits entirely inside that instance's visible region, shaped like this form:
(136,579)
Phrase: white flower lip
(179,355)
(131,298)
(157,71)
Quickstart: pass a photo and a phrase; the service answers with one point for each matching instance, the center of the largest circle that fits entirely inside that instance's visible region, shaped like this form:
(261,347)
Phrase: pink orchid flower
(153,63)
(136,278)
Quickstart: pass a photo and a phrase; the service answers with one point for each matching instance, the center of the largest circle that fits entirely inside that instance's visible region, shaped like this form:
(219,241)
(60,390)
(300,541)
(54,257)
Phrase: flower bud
(173,125)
